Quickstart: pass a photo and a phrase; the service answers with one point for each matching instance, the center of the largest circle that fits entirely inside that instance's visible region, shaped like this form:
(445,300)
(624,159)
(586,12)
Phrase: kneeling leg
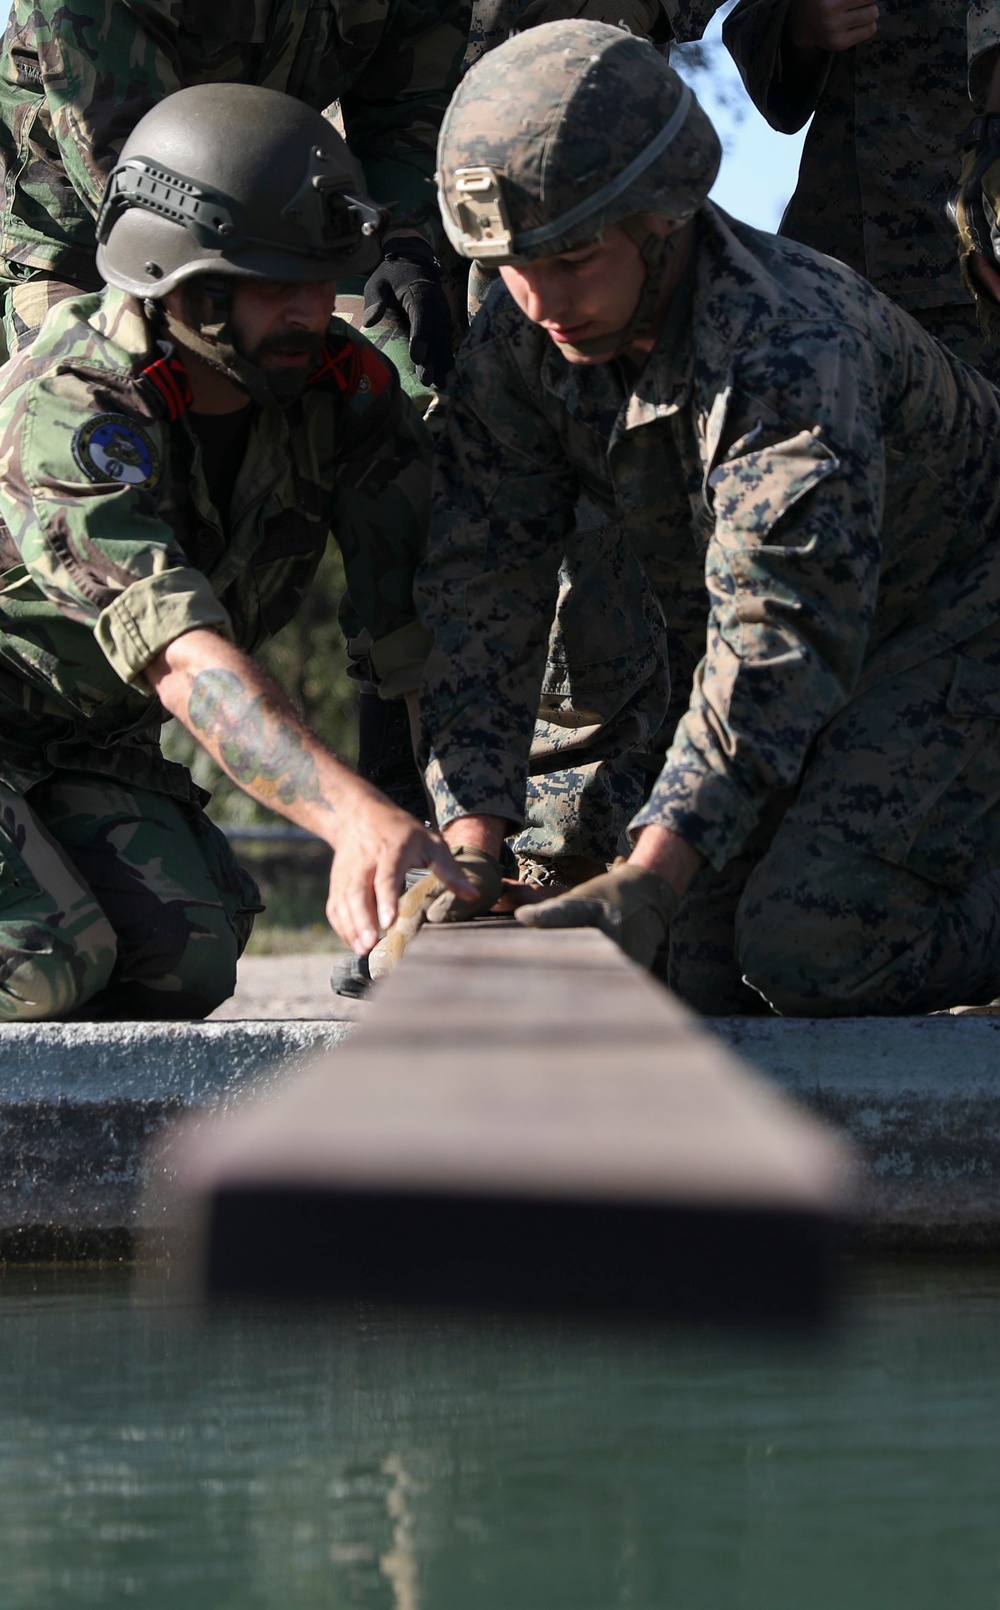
(57,948)
(180,905)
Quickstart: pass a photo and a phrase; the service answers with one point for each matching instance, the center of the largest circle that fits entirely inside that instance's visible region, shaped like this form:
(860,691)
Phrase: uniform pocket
(752,492)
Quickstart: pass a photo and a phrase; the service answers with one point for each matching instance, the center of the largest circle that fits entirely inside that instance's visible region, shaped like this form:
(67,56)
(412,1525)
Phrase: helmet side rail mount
(330,215)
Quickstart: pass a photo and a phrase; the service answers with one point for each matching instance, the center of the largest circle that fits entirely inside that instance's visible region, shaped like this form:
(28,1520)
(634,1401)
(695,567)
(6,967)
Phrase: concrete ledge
(80,1103)
(920,1097)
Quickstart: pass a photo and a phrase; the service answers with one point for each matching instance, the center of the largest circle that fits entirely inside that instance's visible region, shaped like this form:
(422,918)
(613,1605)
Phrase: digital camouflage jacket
(882,155)
(75,80)
(110,547)
(811,483)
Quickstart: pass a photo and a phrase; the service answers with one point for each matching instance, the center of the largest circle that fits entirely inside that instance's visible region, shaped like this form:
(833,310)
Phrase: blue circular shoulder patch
(110,447)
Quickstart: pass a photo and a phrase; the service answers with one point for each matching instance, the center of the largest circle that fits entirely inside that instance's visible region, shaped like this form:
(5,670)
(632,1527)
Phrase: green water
(148,1457)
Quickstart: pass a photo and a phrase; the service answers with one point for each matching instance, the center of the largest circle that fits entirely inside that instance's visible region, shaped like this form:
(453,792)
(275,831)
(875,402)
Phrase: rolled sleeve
(150,614)
(784,90)
(477,783)
(706,808)
(398,660)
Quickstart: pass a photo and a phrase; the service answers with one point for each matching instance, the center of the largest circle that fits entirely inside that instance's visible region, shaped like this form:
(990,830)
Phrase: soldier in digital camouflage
(174,453)
(75,80)
(886,87)
(812,485)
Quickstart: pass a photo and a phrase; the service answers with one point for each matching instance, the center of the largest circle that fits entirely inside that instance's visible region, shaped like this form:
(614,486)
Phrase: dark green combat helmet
(564,131)
(236,180)
(222,182)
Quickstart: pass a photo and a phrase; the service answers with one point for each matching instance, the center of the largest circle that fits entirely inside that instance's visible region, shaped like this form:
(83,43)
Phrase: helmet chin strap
(657,252)
(205,330)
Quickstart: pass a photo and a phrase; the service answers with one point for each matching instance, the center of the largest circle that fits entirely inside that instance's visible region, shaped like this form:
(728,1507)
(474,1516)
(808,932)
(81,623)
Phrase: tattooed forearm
(255,740)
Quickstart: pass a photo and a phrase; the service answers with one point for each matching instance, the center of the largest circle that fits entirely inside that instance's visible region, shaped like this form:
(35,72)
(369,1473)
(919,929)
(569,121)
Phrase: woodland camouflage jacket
(110,547)
(75,80)
(882,155)
(811,483)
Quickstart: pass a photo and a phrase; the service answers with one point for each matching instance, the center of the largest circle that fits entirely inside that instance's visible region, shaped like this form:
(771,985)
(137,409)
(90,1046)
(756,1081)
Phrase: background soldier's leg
(604,697)
(879,894)
(385,750)
(57,948)
(165,877)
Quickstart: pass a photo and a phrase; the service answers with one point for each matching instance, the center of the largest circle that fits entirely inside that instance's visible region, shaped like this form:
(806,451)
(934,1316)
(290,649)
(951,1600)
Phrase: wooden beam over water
(525,1119)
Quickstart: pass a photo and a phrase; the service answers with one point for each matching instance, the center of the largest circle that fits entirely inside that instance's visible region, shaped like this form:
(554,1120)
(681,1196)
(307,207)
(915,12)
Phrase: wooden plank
(526,1118)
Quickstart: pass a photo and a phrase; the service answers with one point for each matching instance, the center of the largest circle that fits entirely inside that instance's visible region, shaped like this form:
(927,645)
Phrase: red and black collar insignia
(171,388)
(352,367)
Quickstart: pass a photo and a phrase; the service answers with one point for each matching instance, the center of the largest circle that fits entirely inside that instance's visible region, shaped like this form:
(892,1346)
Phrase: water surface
(369,1458)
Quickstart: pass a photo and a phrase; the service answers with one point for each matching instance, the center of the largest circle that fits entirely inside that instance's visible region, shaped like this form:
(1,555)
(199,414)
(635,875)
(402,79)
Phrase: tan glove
(431,901)
(632,906)
(638,16)
(974,212)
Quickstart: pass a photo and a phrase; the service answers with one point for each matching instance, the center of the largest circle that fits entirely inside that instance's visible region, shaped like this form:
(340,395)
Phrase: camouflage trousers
(870,889)
(115,903)
(26,305)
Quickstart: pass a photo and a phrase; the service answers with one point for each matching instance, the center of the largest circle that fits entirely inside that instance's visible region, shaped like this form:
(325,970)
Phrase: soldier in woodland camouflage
(812,485)
(75,80)
(885,86)
(174,453)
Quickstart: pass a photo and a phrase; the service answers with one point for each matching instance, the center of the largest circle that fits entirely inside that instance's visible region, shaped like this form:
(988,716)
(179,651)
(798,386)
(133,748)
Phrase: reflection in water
(368,1458)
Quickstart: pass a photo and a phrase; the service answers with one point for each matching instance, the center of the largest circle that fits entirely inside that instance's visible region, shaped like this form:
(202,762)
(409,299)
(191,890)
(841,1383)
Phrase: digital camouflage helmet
(562,132)
(236,180)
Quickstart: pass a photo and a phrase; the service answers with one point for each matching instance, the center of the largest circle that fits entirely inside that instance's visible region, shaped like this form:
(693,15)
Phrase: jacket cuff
(398,659)
(753,33)
(148,616)
(705,808)
(473,782)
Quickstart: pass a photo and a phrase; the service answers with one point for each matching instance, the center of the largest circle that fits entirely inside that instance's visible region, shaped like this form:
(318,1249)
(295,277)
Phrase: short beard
(286,384)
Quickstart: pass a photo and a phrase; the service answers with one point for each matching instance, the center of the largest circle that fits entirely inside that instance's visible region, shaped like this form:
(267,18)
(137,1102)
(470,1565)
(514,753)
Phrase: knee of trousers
(47,973)
(822,931)
(200,979)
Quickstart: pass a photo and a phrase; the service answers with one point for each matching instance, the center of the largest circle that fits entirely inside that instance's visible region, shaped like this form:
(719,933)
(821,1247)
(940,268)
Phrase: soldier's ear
(663,227)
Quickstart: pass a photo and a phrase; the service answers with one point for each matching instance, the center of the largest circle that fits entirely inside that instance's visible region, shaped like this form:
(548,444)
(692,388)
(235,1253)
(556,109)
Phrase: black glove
(408,281)
(974,211)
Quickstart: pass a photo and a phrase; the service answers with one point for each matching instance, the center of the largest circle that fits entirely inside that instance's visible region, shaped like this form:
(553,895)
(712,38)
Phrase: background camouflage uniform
(101,570)
(813,488)
(983,43)
(75,80)
(882,154)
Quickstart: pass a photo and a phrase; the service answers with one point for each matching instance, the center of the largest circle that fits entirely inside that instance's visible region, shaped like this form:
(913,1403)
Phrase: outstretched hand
(377,844)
